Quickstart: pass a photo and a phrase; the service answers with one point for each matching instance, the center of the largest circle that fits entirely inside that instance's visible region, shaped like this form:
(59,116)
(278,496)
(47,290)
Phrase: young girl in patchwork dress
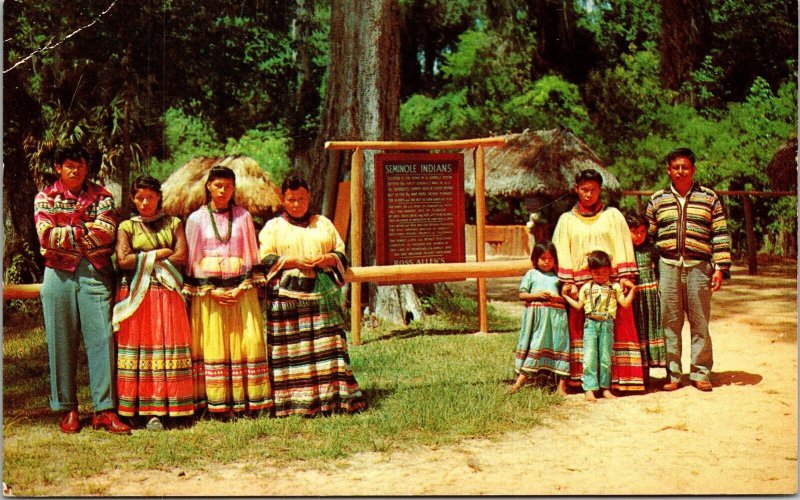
(229,357)
(646,307)
(543,343)
(154,362)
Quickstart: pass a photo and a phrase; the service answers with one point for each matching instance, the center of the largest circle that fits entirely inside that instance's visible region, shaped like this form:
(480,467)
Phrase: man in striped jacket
(76,224)
(688,226)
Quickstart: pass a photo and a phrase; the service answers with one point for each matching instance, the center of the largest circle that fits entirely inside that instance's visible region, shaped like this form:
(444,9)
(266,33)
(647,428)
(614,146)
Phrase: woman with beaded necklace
(229,361)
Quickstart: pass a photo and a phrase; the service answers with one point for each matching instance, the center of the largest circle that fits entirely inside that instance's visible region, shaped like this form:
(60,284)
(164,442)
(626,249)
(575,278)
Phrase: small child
(646,306)
(599,299)
(543,338)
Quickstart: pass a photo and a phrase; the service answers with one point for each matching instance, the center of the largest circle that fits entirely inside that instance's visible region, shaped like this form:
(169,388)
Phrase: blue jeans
(74,304)
(598,339)
(686,291)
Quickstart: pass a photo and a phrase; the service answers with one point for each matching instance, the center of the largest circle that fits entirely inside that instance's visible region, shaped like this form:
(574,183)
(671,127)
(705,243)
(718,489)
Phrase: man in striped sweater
(76,224)
(688,226)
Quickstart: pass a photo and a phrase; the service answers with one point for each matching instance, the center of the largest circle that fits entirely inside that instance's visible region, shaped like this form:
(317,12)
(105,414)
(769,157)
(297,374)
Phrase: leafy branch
(50,45)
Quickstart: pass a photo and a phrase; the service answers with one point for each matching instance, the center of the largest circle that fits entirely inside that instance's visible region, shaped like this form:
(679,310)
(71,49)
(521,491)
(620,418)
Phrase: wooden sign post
(357,207)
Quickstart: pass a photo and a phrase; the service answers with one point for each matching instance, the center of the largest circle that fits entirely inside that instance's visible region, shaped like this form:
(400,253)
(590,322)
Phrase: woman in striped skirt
(304,261)
(154,362)
(229,358)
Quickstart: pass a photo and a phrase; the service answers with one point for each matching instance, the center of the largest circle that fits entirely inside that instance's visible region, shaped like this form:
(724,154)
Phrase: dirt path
(739,439)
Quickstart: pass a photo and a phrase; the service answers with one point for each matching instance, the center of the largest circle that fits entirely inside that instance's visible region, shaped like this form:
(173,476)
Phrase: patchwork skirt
(308,358)
(229,358)
(154,362)
(543,342)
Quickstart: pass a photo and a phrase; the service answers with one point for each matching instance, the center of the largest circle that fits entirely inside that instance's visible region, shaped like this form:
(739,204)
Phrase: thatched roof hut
(782,168)
(184,191)
(542,162)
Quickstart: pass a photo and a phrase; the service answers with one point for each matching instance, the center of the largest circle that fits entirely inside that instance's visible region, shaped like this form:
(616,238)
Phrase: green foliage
(269,148)
(186,137)
(547,103)
(492,92)
(620,25)
(626,98)
(445,117)
(189,136)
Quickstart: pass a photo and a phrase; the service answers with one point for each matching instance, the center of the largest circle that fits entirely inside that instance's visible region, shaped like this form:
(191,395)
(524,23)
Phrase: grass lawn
(430,383)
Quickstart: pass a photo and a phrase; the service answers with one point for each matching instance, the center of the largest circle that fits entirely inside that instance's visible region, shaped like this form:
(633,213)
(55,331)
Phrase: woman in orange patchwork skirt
(154,361)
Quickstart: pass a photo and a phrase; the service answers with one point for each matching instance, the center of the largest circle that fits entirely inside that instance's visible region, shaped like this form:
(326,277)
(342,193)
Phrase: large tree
(362,103)
(685,39)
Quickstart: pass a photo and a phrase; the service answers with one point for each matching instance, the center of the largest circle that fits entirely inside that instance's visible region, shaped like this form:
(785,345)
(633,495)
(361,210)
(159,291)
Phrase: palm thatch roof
(782,168)
(542,162)
(184,191)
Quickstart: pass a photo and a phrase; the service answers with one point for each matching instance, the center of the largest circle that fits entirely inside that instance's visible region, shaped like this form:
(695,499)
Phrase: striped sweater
(61,222)
(698,232)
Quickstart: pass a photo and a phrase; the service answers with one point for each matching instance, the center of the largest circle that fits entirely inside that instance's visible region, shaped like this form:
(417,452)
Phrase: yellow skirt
(229,361)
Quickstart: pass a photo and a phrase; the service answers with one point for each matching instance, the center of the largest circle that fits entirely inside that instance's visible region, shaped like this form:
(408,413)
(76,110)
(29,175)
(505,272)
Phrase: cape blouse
(576,236)
(280,239)
(212,263)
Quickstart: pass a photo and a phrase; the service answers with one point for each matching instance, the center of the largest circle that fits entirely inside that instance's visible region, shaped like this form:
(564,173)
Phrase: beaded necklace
(214,223)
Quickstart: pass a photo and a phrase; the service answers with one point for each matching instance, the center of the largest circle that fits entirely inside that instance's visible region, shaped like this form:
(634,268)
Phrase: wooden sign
(419,203)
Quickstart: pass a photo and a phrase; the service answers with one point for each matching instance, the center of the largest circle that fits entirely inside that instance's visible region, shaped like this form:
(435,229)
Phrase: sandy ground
(739,439)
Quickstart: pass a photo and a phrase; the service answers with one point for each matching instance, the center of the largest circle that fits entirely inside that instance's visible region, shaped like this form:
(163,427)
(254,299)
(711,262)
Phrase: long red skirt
(154,361)
(627,373)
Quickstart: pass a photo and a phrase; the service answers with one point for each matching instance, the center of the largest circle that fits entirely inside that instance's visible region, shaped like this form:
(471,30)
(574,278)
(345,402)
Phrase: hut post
(480,234)
(639,206)
(356,209)
(752,261)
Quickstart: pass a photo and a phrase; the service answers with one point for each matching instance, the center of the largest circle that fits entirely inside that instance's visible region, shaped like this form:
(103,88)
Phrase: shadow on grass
(376,397)
(735,378)
(408,333)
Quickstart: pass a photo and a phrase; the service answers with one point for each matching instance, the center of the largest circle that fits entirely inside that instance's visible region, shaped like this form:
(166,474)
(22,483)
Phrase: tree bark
(362,102)
(685,39)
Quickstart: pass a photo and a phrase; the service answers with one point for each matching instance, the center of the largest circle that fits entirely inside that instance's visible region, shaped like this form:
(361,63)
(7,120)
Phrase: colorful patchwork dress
(543,342)
(576,235)
(229,357)
(647,309)
(308,356)
(154,362)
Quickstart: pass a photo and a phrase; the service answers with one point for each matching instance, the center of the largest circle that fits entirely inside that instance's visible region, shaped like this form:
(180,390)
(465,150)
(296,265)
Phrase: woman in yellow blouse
(304,260)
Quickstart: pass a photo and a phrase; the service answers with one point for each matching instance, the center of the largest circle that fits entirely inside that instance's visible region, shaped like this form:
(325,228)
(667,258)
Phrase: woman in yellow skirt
(229,361)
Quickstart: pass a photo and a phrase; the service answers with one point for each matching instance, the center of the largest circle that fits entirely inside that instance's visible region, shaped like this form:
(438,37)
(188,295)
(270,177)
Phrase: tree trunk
(685,30)
(22,262)
(362,103)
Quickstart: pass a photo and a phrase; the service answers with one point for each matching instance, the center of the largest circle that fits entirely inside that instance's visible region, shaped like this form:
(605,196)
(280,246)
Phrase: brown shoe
(703,385)
(71,423)
(109,421)
(671,386)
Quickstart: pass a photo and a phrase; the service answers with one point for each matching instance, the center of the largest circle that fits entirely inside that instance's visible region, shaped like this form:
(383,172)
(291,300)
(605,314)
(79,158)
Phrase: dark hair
(293,182)
(598,259)
(74,152)
(220,172)
(147,182)
(589,174)
(680,153)
(540,249)
(635,219)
